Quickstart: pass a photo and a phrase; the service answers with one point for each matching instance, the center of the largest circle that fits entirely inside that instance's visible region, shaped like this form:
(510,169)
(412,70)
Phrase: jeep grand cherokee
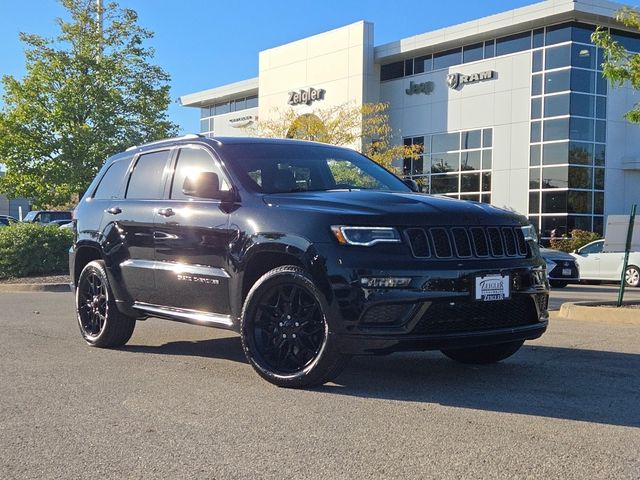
(312,253)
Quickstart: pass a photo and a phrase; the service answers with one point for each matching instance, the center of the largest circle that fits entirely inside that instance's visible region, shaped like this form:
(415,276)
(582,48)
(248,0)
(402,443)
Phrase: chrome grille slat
(467,242)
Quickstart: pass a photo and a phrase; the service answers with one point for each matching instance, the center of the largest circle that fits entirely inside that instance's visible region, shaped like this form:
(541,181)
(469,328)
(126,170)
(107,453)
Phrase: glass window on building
(252,101)
(557,57)
(423,64)
(489,49)
(459,167)
(472,53)
(513,43)
(392,70)
(447,59)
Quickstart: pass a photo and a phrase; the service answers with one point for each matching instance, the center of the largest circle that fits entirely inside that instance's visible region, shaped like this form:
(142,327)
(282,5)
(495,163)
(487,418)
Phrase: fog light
(385,282)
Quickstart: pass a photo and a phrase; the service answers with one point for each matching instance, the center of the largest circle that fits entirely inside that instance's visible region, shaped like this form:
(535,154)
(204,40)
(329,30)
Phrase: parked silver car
(595,264)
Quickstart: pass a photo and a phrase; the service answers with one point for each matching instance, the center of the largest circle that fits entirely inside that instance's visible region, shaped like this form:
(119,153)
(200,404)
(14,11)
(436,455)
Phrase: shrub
(576,240)
(28,249)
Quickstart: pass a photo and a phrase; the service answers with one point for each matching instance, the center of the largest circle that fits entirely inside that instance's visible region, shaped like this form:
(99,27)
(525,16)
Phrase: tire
(101,323)
(484,354)
(558,283)
(285,333)
(632,276)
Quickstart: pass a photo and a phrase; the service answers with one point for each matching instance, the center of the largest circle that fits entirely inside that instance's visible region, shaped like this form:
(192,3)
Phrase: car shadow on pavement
(226,348)
(568,383)
(573,384)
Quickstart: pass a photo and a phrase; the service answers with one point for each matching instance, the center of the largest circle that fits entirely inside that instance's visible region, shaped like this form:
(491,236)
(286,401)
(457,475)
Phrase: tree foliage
(87,93)
(620,65)
(365,127)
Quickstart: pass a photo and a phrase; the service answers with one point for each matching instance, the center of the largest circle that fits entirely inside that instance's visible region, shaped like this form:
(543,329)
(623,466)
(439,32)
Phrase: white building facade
(509,109)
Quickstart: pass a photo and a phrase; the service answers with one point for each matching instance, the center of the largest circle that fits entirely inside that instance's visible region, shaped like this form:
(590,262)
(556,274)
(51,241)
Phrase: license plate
(491,288)
(566,272)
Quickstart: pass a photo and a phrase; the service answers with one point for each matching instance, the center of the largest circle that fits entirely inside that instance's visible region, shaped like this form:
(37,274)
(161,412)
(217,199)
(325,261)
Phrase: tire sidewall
(96,267)
(631,269)
(284,275)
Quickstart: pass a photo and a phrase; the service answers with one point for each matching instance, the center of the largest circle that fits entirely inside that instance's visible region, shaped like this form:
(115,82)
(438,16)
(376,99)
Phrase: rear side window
(111,184)
(60,216)
(192,161)
(146,178)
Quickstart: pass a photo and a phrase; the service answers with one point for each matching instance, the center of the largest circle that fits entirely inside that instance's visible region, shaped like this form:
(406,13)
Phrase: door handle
(113,210)
(166,212)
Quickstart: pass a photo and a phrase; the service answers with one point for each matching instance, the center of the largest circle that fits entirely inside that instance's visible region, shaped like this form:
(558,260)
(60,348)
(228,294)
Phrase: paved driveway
(180,402)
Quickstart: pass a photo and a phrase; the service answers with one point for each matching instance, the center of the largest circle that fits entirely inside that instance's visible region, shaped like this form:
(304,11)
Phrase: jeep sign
(414,88)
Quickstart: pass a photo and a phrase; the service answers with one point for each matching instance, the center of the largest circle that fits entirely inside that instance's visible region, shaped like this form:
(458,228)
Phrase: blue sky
(204,44)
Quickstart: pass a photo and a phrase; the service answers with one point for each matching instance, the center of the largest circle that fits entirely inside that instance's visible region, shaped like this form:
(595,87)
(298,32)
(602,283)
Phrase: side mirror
(412,184)
(204,185)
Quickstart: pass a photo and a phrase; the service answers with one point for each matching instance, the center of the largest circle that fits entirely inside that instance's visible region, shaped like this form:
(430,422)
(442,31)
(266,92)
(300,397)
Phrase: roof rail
(183,137)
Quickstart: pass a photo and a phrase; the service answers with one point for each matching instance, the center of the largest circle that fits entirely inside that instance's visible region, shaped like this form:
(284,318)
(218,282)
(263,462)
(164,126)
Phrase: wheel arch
(84,253)
(266,253)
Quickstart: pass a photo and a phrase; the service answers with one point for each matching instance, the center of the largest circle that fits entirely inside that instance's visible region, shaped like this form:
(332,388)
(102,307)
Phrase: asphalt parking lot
(180,402)
(590,293)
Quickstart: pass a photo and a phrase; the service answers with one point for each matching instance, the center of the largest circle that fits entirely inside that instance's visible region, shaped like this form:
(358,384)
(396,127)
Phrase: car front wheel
(285,333)
(101,323)
(632,276)
(484,354)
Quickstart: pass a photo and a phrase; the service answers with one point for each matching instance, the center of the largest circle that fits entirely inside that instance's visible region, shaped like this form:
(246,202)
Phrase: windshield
(30,216)
(281,168)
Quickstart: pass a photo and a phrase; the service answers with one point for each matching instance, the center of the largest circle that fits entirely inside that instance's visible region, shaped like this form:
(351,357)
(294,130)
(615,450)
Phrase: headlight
(550,264)
(529,232)
(365,236)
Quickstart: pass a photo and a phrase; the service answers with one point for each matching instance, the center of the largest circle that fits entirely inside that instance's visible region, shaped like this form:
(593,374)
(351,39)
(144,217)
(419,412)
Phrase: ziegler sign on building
(307,96)
(458,80)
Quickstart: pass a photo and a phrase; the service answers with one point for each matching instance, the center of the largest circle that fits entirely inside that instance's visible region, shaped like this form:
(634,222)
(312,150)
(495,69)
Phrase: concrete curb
(593,311)
(34,287)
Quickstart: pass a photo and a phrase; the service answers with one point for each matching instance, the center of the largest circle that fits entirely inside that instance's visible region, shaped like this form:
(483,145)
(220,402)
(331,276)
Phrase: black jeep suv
(311,252)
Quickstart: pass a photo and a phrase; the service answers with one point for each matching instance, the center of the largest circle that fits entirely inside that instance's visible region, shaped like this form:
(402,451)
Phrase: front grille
(466,242)
(471,316)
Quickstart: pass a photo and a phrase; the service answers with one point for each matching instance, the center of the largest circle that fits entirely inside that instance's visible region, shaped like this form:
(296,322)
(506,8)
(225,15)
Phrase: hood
(555,255)
(395,208)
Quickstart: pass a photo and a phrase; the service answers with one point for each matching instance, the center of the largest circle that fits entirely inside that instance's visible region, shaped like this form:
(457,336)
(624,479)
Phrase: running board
(194,317)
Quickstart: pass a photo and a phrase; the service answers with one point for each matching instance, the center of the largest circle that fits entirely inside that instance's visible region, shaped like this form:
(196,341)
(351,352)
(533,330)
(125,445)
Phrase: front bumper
(438,309)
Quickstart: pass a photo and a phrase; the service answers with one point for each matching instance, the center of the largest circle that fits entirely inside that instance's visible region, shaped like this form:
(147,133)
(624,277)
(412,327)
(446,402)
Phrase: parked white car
(607,266)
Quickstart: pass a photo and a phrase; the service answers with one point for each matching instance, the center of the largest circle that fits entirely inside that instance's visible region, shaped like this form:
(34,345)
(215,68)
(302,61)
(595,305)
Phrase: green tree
(87,93)
(620,65)
(365,127)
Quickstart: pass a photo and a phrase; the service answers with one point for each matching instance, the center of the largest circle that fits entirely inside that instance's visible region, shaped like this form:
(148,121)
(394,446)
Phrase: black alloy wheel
(285,333)
(289,329)
(101,323)
(92,304)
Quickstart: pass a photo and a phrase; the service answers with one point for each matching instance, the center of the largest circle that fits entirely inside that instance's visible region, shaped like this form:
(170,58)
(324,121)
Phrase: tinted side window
(111,184)
(594,248)
(147,176)
(192,161)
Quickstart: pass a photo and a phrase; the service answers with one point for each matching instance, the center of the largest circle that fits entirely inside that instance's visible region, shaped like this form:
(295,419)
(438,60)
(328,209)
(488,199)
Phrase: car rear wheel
(285,333)
(632,276)
(101,323)
(484,354)
(558,283)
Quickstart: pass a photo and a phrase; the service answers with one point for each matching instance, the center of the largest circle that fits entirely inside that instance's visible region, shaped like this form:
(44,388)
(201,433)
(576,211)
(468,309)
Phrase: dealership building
(509,109)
